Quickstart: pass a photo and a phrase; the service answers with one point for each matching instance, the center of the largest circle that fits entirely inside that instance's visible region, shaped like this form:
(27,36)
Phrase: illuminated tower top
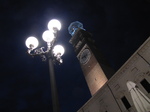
(74,26)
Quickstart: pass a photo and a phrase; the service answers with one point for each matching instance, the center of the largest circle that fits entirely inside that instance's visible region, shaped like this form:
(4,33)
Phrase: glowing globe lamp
(58,50)
(54,25)
(32,42)
(48,36)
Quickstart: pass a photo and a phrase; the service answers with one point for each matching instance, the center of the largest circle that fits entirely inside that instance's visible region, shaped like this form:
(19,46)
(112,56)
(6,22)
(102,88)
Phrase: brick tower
(95,69)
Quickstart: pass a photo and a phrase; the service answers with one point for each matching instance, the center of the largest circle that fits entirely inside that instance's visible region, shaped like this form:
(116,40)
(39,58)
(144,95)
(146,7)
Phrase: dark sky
(119,27)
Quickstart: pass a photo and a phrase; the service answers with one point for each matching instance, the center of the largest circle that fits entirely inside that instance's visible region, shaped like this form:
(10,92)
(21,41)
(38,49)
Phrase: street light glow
(58,50)
(54,25)
(53,55)
(48,36)
(32,42)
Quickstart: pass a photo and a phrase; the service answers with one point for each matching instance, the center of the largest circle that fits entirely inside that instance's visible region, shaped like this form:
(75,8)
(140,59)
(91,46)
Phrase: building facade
(115,96)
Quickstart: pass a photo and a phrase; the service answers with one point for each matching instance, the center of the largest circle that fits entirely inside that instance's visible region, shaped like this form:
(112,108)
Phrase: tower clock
(95,69)
(85,56)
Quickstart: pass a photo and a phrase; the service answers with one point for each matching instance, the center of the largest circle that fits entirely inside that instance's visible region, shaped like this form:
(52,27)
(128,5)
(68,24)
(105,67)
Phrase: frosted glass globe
(54,25)
(48,36)
(32,42)
(58,49)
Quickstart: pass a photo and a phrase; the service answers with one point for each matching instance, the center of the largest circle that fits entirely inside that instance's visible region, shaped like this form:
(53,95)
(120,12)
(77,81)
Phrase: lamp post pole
(53,54)
(54,93)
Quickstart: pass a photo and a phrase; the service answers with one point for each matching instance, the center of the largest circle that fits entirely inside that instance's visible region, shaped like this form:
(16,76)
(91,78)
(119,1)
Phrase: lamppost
(53,54)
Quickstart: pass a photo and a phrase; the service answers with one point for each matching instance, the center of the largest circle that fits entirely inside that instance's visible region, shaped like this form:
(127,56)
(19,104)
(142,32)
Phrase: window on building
(125,102)
(146,85)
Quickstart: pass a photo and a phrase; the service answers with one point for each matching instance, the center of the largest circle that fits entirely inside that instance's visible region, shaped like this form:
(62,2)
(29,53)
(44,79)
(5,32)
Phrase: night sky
(119,27)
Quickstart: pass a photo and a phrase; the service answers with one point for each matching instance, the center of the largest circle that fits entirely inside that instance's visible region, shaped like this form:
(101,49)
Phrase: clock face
(85,56)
